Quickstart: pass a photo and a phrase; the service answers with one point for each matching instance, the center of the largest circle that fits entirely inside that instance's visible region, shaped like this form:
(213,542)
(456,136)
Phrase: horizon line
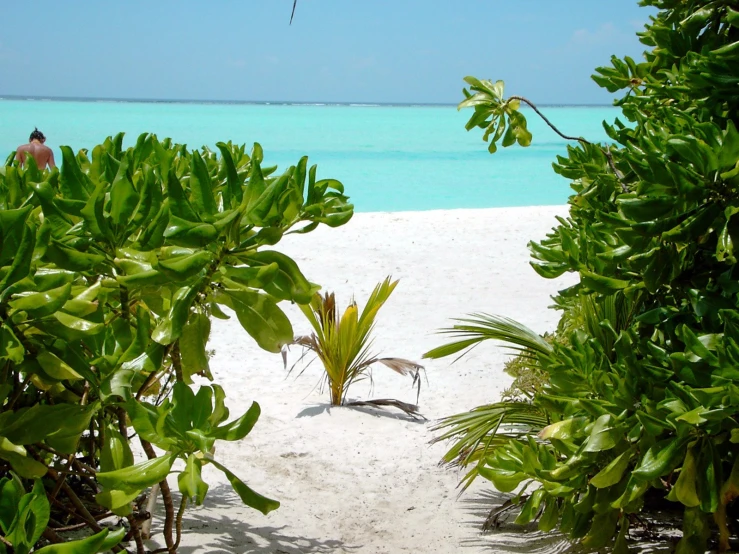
(317,103)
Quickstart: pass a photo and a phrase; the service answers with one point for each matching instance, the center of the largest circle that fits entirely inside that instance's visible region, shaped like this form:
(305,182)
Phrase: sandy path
(362,481)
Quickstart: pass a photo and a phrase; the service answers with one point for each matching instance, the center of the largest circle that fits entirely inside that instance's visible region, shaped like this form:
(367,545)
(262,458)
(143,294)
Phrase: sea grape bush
(643,405)
(110,272)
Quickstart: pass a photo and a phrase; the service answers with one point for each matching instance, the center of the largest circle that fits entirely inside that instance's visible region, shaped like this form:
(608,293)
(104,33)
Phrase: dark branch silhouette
(605,151)
(295,3)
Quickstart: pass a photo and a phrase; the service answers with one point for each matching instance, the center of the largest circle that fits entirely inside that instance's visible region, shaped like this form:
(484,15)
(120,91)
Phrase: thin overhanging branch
(295,3)
(605,151)
(546,120)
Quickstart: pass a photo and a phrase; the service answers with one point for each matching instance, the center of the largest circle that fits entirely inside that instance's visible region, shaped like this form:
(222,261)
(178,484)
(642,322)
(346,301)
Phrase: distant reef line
(355,104)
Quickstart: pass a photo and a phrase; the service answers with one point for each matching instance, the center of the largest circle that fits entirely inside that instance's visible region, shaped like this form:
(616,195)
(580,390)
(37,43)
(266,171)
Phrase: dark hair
(37,135)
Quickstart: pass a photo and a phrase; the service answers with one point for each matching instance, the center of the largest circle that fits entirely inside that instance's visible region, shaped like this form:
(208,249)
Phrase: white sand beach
(367,481)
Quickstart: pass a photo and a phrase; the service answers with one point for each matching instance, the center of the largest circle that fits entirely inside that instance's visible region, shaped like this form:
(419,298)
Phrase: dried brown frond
(409,409)
(404,367)
(400,365)
(327,309)
(307,341)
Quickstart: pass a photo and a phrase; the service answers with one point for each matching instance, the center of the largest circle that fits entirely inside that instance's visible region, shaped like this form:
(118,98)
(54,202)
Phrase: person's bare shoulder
(21,151)
(50,161)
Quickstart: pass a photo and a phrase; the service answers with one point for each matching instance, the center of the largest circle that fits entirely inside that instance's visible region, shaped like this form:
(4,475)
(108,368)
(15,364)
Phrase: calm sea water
(390,158)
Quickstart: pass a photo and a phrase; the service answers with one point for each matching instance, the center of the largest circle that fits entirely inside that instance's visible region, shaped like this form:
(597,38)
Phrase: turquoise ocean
(390,158)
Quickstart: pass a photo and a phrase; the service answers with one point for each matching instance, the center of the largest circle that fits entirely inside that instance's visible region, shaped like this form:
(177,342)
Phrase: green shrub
(110,270)
(643,398)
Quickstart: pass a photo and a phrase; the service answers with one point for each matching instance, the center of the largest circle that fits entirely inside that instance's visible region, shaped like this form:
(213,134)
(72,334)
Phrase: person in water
(41,153)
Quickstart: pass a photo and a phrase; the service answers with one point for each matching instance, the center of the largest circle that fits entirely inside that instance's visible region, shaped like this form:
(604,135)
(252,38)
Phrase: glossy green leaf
(11,348)
(123,196)
(259,316)
(220,411)
(171,327)
(40,421)
(182,267)
(179,205)
(239,428)
(248,496)
(530,508)
(232,179)
(78,324)
(601,283)
(201,186)
(646,208)
(144,419)
(148,361)
(602,530)
(503,479)
(12,227)
(605,434)
(56,367)
(139,476)
(41,304)
(187,233)
(71,259)
(660,459)
(288,283)
(11,492)
(193,342)
(696,532)
(684,488)
(100,542)
(252,277)
(21,264)
(74,183)
(116,452)
(709,475)
(191,484)
(31,519)
(613,472)
(23,464)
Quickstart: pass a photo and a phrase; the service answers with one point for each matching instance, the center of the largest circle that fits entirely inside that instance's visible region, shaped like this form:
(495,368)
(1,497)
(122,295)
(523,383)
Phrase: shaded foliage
(110,270)
(642,396)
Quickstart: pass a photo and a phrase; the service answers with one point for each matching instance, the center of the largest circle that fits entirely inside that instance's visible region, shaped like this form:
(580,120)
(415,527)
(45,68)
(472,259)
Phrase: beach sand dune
(362,480)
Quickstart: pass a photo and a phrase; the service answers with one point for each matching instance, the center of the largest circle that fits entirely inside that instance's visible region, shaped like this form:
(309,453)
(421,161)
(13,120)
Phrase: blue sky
(335,50)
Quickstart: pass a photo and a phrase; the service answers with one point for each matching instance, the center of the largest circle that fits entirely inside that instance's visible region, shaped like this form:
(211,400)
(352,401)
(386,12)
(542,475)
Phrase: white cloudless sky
(404,51)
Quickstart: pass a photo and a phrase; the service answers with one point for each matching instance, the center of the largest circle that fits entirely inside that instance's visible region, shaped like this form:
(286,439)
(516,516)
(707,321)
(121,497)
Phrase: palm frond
(602,317)
(479,327)
(404,367)
(477,432)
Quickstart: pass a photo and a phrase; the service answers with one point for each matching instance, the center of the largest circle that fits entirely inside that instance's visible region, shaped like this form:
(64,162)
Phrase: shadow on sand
(508,537)
(318,409)
(515,539)
(231,532)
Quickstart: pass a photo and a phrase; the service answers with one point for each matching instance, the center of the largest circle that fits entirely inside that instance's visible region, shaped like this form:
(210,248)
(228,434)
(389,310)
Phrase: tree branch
(169,515)
(180,513)
(135,532)
(606,152)
(295,3)
(546,120)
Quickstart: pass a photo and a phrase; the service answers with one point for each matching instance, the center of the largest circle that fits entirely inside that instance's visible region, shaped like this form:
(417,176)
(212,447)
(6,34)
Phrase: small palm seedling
(343,346)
